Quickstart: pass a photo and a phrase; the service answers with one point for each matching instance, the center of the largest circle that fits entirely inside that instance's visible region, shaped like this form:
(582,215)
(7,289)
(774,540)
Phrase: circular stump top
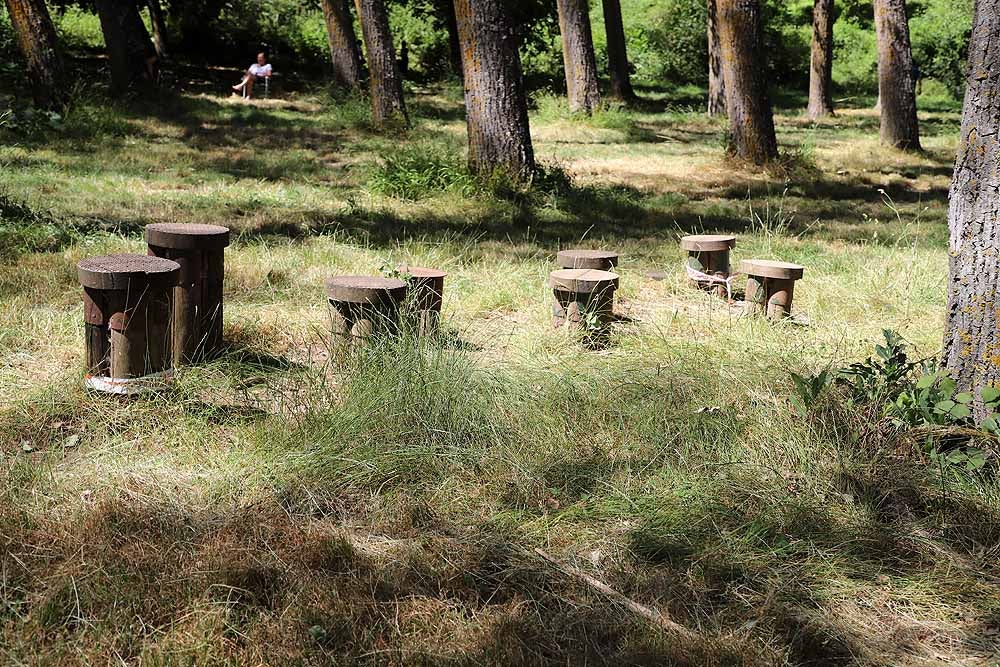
(583,281)
(421,272)
(128,272)
(708,242)
(580,258)
(182,236)
(365,289)
(767,268)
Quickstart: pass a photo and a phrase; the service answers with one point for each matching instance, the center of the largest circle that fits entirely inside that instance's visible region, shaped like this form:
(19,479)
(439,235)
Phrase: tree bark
(385,81)
(495,102)
(747,101)
(343,44)
(821,64)
(130,50)
(36,39)
(716,83)
(159,25)
(896,87)
(618,68)
(579,60)
(972,337)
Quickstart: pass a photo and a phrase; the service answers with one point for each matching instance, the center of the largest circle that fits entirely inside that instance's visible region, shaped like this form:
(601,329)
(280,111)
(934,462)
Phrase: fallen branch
(658,619)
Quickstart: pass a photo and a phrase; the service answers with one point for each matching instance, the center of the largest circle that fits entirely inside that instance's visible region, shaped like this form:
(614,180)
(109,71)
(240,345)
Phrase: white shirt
(260,70)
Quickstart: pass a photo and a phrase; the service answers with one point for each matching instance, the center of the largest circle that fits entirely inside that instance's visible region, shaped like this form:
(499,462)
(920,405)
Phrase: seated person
(259,70)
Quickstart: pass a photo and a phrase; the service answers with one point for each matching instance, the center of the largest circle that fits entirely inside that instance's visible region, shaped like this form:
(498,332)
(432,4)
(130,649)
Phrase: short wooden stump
(425,295)
(197,316)
(581,258)
(583,296)
(770,286)
(363,307)
(127,304)
(708,261)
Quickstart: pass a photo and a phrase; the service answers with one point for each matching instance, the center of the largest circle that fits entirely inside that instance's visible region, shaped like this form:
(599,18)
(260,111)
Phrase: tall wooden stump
(580,258)
(425,294)
(363,307)
(583,296)
(708,261)
(127,301)
(770,286)
(197,317)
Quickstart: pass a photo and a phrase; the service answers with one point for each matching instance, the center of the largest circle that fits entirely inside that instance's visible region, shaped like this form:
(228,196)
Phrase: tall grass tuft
(420,171)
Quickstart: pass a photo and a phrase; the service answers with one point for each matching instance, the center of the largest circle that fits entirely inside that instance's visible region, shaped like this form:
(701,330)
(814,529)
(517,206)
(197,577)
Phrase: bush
(940,38)
(855,58)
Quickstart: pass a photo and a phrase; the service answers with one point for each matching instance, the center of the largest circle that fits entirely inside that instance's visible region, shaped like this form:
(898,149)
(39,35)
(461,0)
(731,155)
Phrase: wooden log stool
(200,250)
(425,294)
(580,258)
(708,261)
(127,302)
(583,296)
(363,307)
(770,286)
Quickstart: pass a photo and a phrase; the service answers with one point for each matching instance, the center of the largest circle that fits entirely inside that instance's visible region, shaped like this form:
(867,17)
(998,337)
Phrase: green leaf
(960,411)
(964,398)
(990,394)
(926,381)
(944,406)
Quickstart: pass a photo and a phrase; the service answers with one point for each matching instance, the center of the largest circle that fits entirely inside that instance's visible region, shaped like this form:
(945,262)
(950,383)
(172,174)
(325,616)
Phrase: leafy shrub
(940,37)
(78,29)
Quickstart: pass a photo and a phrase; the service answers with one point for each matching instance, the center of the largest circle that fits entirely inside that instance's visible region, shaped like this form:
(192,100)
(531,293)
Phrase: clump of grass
(24,229)
(420,171)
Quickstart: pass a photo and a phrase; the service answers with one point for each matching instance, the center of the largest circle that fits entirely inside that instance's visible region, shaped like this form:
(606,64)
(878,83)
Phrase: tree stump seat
(708,261)
(197,314)
(770,286)
(581,258)
(425,292)
(583,296)
(127,302)
(363,307)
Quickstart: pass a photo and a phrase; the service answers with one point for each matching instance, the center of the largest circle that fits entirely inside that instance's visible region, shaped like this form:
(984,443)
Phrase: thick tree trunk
(130,50)
(896,87)
(36,39)
(495,102)
(343,44)
(159,25)
(579,60)
(821,65)
(385,81)
(716,83)
(972,330)
(618,70)
(747,101)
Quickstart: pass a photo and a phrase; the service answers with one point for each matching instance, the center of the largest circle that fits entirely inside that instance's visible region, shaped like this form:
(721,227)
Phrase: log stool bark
(580,258)
(127,302)
(197,316)
(770,286)
(363,307)
(583,296)
(708,261)
(425,294)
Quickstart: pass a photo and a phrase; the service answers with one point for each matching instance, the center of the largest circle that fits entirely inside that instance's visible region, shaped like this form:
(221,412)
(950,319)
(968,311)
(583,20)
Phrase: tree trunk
(383,72)
(36,39)
(495,102)
(896,87)
(821,65)
(343,44)
(747,101)
(159,25)
(972,338)
(618,69)
(578,56)
(716,83)
(454,45)
(130,50)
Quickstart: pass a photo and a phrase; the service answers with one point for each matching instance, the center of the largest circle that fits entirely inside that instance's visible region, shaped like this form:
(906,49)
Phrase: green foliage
(420,171)
(78,29)
(676,43)
(940,38)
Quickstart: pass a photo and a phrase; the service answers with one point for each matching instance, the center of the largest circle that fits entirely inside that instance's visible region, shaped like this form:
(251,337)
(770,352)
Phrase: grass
(280,504)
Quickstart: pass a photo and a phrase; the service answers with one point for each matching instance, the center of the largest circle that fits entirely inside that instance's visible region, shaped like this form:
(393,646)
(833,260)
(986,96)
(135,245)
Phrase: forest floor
(277,507)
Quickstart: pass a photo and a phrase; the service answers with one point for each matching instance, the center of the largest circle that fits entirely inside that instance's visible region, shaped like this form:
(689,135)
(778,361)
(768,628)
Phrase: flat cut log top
(365,289)
(128,272)
(421,271)
(708,242)
(580,258)
(767,268)
(583,281)
(183,236)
